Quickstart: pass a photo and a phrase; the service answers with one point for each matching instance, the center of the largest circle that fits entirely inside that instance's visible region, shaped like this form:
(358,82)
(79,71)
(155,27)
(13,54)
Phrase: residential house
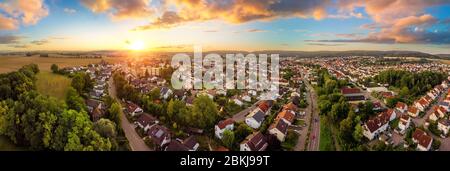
(373,127)
(434,116)
(160,135)
(404,123)
(441,110)
(133,109)
(279,129)
(423,140)
(165,93)
(254,142)
(445,105)
(391,114)
(145,121)
(402,107)
(444,126)
(265,106)
(290,107)
(255,118)
(287,115)
(223,125)
(176,146)
(376,106)
(422,104)
(413,111)
(95,109)
(189,144)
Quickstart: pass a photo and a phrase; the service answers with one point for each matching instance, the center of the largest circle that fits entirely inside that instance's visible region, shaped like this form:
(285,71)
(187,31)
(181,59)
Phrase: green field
(326,139)
(52,84)
(13,63)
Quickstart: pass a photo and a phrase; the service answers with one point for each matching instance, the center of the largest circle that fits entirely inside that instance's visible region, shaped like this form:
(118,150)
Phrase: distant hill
(302,54)
(351,53)
(447,56)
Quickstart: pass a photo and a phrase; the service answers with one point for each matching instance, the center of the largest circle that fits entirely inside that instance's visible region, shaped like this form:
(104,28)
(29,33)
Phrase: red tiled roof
(404,117)
(423,102)
(256,141)
(422,138)
(389,112)
(287,115)
(412,109)
(375,123)
(400,105)
(222,124)
(264,106)
(350,90)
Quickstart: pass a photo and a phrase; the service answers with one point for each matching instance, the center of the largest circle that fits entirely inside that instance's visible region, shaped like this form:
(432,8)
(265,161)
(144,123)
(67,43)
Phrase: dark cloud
(167,20)
(10,39)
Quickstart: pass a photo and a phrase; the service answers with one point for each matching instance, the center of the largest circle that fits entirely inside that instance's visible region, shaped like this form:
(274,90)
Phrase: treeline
(410,85)
(44,123)
(338,114)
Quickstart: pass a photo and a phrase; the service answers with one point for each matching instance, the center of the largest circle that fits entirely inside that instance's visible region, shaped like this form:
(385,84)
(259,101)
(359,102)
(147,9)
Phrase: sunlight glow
(137,45)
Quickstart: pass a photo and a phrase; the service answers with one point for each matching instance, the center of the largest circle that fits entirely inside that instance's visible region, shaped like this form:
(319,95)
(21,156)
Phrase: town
(327,104)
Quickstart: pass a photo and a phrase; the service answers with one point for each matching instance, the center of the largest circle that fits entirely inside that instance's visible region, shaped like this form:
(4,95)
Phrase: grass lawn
(299,122)
(53,84)
(326,139)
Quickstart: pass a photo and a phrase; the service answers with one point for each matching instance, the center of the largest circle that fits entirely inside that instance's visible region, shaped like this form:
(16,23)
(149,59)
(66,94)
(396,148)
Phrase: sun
(137,45)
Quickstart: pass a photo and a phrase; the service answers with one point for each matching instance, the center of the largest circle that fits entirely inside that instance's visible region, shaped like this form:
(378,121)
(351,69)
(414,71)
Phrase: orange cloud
(8,23)
(29,12)
(396,21)
(120,9)
(237,11)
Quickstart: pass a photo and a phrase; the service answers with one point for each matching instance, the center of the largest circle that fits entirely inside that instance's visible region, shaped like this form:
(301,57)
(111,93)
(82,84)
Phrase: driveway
(135,141)
(240,117)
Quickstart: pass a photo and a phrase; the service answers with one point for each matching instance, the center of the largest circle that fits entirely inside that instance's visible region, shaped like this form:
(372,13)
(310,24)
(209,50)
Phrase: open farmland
(13,63)
(53,84)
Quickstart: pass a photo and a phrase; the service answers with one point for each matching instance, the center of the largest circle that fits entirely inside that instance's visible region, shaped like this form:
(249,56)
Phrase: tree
(74,100)
(74,133)
(177,111)
(205,112)
(54,68)
(115,112)
(242,131)
(358,133)
(78,82)
(228,138)
(155,94)
(106,128)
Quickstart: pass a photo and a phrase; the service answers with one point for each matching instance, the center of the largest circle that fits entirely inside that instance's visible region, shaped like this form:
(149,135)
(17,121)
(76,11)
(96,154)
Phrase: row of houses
(160,135)
(258,141)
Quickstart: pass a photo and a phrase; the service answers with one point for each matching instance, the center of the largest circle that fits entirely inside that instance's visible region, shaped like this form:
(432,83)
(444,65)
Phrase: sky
(249,25)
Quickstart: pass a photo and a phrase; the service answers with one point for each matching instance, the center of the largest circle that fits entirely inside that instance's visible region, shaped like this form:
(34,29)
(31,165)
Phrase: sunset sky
(172,25)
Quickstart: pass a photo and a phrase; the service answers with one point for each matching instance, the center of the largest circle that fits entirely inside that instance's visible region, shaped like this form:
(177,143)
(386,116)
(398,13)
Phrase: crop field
(53,84)
(12,63)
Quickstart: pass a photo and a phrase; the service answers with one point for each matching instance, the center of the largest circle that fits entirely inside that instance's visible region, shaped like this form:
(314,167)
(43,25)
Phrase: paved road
(135,141)
(300,146)
(314,136)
